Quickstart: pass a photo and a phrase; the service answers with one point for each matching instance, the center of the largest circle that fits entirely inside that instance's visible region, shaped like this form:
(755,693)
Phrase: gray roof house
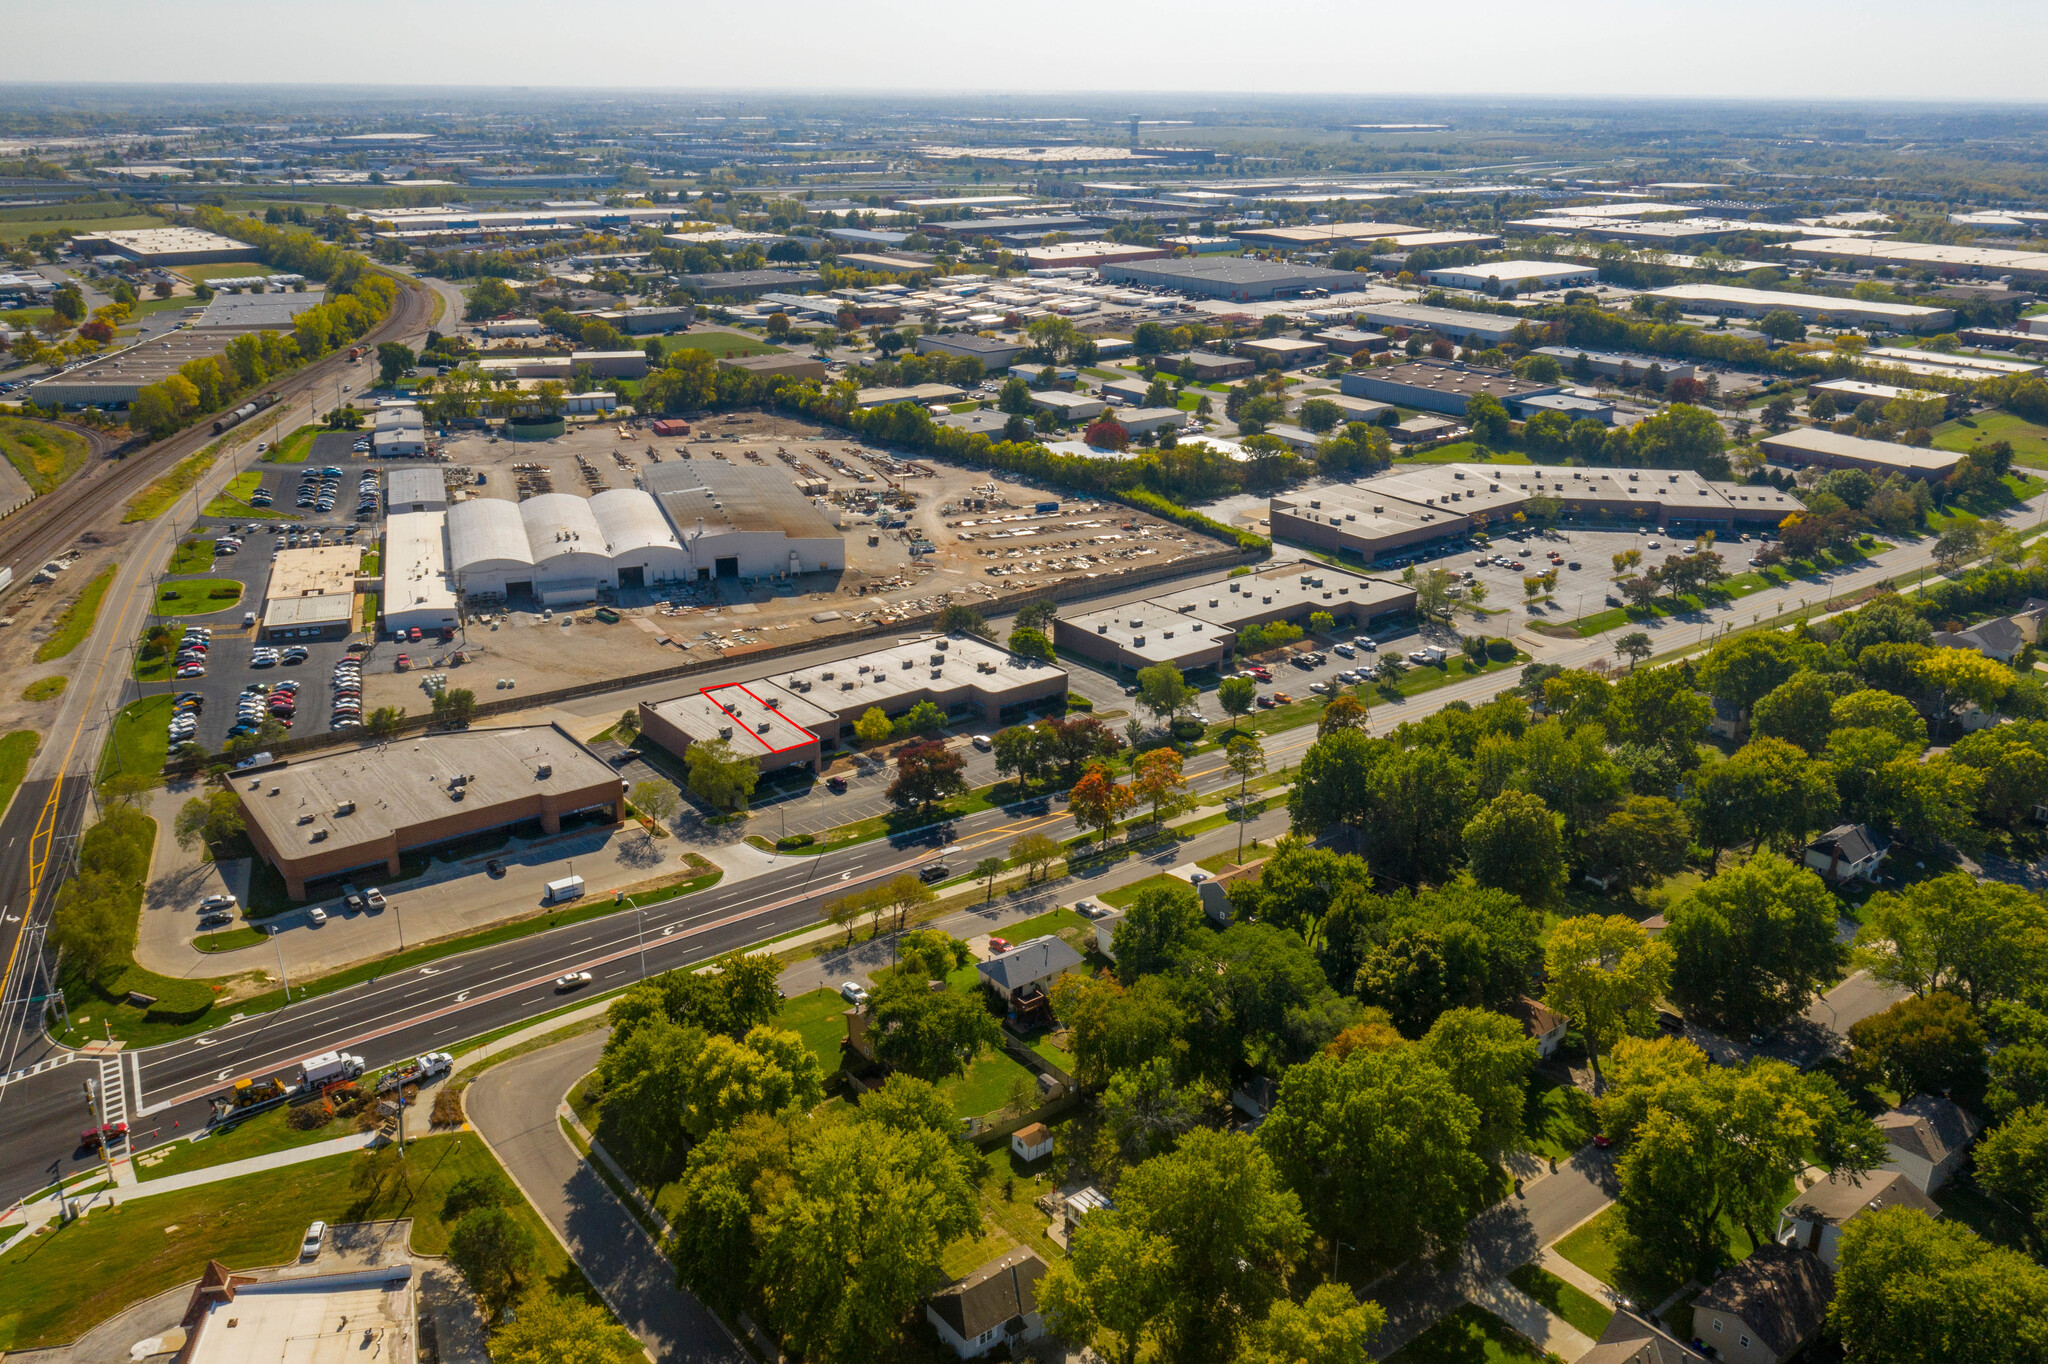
(1764,1310)
(1928,1136)
(1035,963)
(2000,638)
(1847,851)
(996,1304)
(1629,1339)
(1814,1220)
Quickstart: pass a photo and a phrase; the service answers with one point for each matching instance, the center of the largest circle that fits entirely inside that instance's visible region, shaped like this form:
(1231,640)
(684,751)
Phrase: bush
(793,842)
(1186,729)
(1500,650)
(1078,702)
(309,1117)
(448,1105)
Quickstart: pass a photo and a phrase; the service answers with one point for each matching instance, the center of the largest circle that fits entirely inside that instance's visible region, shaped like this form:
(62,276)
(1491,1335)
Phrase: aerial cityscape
(1227,712)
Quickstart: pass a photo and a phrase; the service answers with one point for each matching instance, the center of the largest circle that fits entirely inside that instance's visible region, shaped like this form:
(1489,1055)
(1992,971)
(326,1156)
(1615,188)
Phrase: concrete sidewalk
(1551,1333)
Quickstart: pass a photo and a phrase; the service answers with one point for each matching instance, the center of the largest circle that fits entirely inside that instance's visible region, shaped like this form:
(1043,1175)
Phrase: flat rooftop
(1234,270)
(757,718)
(163,241)
(1237,602)
(1445,376)
(320,571)
(250,312)
(1510,270)
(1148,630)
(397,786)
(415,563)
(734,497)
(1773,298)
(266,1323)
(1814,440)
(886,676)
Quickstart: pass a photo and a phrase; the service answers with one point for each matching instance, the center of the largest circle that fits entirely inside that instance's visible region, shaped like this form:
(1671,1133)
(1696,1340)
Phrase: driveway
(514,1108)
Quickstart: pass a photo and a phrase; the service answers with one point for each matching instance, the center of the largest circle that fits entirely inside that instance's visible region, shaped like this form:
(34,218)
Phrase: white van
(568,888)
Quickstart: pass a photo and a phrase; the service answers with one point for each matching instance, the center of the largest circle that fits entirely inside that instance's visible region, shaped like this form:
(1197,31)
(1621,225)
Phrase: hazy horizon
(1743,50)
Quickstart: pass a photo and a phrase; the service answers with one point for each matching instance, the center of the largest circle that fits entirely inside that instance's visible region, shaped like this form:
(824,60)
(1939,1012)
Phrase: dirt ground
(988,545)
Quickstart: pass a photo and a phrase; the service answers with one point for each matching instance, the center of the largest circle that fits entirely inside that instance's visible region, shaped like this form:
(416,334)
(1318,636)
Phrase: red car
(404,662)
(1603,1141)
(92,1138)
(1264,674)
(835,784)
(998,945)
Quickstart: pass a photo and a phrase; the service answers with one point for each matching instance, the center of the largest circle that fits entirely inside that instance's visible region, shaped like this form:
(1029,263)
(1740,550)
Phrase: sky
(1874,50)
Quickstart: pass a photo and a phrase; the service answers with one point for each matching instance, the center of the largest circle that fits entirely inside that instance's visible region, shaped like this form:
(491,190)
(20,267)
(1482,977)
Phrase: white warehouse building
(415,571)
(736,521)
(643,549)
(561,549)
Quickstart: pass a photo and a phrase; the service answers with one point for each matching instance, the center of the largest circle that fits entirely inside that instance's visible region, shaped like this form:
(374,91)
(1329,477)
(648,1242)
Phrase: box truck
(568,888)
(328,1067)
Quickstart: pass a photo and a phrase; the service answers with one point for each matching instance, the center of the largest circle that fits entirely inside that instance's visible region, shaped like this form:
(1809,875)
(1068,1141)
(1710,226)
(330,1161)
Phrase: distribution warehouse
(1449,501)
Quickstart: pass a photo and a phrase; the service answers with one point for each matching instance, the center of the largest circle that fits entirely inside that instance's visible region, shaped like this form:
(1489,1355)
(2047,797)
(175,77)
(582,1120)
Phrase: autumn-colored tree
(1097,802)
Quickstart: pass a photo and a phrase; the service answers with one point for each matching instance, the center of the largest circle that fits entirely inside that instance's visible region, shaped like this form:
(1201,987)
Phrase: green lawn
(818,1018)
(1050,922)
(234,500)
(141,739)
(721,345)
(191,556)
(159,496)
(230,269)
(76,1276)
(15,751)
(77,619)
(1464,452)
(1557,1119)
(1591,1247)
(1469,1335)
(15,226)
(45,688)
(229,939)
(987,1085)
(2029,441)
(254,1136)
(46,455)
(1580,1311)
(196,596)
(294,448)
(1123,897)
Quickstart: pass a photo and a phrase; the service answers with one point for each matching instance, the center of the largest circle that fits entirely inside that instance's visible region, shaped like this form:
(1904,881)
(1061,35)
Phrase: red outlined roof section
(753,717)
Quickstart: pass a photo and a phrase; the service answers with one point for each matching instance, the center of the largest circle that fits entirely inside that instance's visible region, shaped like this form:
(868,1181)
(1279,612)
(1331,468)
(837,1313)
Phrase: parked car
(853,992)
(310,1245)
(317,915)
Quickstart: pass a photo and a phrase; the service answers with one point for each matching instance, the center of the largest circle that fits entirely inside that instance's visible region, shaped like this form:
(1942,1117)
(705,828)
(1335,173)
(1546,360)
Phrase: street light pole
(280,964)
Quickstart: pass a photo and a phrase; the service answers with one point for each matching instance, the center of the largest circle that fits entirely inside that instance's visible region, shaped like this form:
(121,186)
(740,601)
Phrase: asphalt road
(513,1107)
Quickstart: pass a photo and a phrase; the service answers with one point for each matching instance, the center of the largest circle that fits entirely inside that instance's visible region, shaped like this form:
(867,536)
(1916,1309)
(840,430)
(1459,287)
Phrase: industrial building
(362,810)
(738,521)
(1972,261)
(1397,513)
(788,718)
(1350,340)
(415,490)
(1324,236)
(399,432)
(1614,364)
(994,353)
(611,364)
(913,393)
(1729,300)
(1440,385)
(1522,274)
(1830,450)
(311,593)
(1206,366)
(235,1318)
(749,283)
(1197,628)
(1088,255)
(113,379)
(165,246)
(1231,277)
(789,365)
(418,590)
(1287,352)
(646,321)
(1850,394)
(1452,323)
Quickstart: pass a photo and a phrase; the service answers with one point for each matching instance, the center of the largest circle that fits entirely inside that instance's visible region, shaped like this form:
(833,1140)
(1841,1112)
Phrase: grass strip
(46,455)
(159,496)
(1578,1310)
(77,620)
(15,751)
(45,688)
(196,596)
(293,449)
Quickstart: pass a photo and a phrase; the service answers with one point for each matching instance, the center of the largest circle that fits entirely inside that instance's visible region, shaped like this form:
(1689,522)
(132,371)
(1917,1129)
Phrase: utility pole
(280,964)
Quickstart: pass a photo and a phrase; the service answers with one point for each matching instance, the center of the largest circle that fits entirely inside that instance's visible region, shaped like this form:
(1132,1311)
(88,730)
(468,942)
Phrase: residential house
(1766,1309)
(994,1306)
(1814,1220)
(2001,638)
(1629,1339)
(1541,1022)
(1028,969)
(1847,851)
(1105,933)
(1033,1142)
(1928,1136)
(1727,722)
(1215,892)
(1255,1095)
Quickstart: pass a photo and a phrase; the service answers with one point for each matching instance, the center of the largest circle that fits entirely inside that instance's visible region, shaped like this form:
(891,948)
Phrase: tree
(930,1034)
(1028,643)
(873,727)
(1029,752)
(1097,802)
(1768,790)
(1196,1250)
(656,799)
(555,1329)
(384,721)
(1965,675)
(1910,1289)
(1799,710)
(1782,324)
(1488,1058)
(1157,782)
(1931,1045)
(212,819)
(493,1250)
(1743,670)
(720,777)
(927,772)
(1160,928)
(1330,1326)
(770,1070)
(1381,1149)
(1635,647)
(489,297)
(1247,758)
(1512,844)
(1487,418)
(1144,1112)
(454,706)
(2012,1162)
(1080,739)
(393,360)
(1658,709)
(1751,947)
(1606,976)
(1163,691)
(964,620)
(1015,397)
(1982,940)
(1236,695)
(1643,842)
(1036,851)
(923,718)
(986,871)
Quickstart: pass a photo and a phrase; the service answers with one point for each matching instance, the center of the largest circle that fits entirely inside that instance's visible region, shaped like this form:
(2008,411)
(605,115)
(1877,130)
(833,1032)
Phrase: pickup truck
(418,1071)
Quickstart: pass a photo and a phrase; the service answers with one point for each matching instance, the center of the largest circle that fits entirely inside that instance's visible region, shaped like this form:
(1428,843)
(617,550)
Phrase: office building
(1523,275)
(1287,352)
(736,284)
(790,717)
(1831,450)
(1093,255)
(1395,514)
(1231,277)
(1727,300)
(311,593)
(1440,385)
(1197,628)
(1207,367)
(1611,364)
(361,810)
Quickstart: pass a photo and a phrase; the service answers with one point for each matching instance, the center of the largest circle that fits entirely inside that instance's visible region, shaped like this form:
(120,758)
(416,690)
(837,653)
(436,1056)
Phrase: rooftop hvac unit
(1315,502)
(1378,509)
(1137,641)
(937,673)
(1212,602)
(1267,599)
(725,731)
(1102,629)
(943,644)
(319,836)
(544,771)
(1350,516)
(773,703)
(938,659)
(1169,634)
(457,792)
(846,685)
(1233,587)
(826,675)
(863,668)
(347,807)
(909,663)
(761,728)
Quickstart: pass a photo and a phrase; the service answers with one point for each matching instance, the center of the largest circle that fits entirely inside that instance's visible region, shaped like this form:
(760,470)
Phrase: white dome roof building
(487,550)
(643,548)
(571,558)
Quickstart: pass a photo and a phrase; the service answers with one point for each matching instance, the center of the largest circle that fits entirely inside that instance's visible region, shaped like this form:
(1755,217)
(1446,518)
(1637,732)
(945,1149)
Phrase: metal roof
(486,530)
(631,520)
(561,524)
(732,497)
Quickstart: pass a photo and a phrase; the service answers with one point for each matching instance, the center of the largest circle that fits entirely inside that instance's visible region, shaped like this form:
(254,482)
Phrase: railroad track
(94,498)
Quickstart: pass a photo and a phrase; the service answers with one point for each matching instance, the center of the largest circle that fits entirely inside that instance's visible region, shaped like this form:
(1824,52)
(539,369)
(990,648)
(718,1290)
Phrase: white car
(213,902)
(311,1245)
(983,742)
(1318,687)
(854,992)
(575,980)
(317,915)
